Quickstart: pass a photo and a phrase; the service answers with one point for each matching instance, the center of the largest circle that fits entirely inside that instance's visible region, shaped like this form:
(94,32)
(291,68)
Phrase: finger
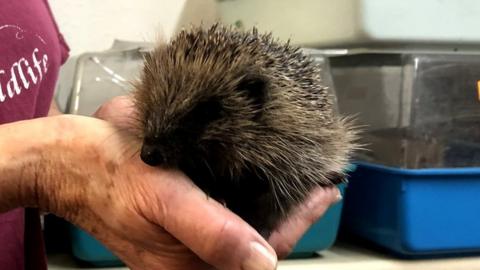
(214,233)
(286,236)
(118,111)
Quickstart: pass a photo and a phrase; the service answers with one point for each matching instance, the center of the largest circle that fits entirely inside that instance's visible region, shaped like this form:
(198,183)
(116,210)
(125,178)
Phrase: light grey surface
(340,257)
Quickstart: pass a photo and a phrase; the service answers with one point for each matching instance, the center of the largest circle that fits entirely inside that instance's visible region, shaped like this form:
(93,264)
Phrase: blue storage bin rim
(421,172)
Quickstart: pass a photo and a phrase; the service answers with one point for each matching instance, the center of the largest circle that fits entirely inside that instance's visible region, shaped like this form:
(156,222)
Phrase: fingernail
(260,258)
(339,196)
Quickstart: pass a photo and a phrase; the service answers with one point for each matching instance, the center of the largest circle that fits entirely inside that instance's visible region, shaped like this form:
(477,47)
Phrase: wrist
(17,182)
(26,151)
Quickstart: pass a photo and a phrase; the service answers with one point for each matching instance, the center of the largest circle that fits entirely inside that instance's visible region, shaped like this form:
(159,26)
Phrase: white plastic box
(360,23)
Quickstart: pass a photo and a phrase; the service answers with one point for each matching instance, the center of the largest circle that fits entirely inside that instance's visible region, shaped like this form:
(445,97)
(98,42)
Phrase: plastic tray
(319,237)
(415,211)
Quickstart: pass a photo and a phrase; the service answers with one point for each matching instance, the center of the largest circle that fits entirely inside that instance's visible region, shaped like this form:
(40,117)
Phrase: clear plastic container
(101,76)
(419,110)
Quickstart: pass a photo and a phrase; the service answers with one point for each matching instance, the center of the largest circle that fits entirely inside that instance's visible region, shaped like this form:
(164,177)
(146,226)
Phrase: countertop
(342,257)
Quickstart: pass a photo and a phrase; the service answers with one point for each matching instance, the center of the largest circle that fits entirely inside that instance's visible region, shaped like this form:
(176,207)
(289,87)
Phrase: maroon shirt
(31,52)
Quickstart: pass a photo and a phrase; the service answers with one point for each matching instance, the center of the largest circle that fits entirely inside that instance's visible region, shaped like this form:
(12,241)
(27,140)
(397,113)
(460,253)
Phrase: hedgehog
(243,115)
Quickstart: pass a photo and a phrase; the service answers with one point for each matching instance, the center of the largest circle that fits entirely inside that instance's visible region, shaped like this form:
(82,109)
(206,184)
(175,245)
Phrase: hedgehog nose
(151,155)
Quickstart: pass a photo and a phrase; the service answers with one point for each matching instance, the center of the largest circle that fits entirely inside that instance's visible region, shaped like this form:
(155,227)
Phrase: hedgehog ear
(255,88)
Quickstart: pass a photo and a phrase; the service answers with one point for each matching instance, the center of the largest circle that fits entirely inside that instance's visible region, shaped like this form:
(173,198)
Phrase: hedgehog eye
(209,110)
(254,86)
(202,115)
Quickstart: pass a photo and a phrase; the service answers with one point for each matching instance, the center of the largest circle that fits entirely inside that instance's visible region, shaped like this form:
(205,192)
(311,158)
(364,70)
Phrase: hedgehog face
(192,128)
(168,144)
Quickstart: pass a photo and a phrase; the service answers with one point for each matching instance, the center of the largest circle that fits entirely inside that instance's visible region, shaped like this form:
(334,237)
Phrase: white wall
(92,25)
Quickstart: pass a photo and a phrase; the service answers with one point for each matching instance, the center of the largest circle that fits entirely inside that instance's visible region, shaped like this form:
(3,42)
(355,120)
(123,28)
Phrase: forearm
(16,180)
(24,147)
(21,148)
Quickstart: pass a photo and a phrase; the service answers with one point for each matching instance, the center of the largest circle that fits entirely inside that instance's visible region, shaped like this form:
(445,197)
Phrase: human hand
(145,215)
(120,112)
(303,216)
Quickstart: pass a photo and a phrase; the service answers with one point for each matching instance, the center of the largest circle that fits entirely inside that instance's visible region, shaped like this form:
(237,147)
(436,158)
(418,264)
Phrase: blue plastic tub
(87,249)
(319,237)
(322,234)
(415,212)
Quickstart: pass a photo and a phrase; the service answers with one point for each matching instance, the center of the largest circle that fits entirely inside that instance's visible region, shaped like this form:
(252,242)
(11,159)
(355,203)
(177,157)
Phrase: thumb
(215,234)
(120,111)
